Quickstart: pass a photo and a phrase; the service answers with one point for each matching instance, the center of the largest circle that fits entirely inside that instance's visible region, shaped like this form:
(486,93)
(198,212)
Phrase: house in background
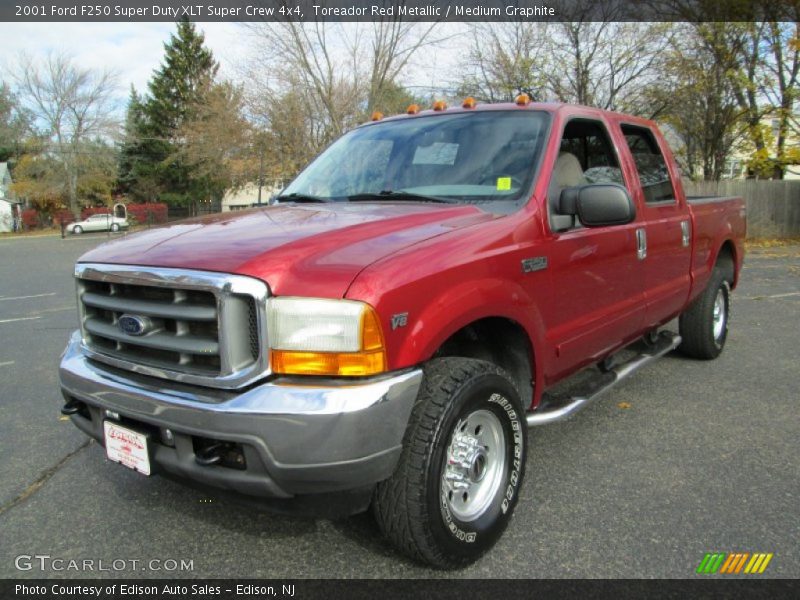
(247,195)
(736,165)
(10,207)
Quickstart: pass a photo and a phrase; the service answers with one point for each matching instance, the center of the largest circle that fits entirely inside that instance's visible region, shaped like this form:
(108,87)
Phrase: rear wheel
(458,479)
(115,227)
(704,325)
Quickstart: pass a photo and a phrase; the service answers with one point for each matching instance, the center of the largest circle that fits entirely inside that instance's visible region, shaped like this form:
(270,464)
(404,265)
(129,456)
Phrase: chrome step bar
(666,342)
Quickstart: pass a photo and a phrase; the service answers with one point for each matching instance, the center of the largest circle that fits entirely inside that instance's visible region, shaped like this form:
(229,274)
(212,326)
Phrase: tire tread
(695,324)
(399,505)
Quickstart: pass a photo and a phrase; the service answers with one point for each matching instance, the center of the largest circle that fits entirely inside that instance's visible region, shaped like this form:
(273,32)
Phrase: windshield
(468,156)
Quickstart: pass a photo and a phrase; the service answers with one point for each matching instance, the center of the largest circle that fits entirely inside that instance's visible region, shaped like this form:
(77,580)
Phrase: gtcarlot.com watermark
(45,562)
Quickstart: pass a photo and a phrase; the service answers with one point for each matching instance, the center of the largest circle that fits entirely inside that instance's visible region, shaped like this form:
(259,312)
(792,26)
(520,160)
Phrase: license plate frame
(127,447)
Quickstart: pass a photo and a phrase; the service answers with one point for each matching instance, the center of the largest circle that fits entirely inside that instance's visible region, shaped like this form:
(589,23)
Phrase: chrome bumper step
(558,409)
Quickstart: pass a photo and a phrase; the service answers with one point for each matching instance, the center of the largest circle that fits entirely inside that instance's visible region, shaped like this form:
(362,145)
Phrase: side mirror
(598,204)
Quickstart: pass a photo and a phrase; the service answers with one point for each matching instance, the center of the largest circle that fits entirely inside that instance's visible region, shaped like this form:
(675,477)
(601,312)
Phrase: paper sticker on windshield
(503,184)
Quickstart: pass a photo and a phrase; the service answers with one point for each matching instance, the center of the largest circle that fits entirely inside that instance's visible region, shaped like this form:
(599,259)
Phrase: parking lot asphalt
(684,458)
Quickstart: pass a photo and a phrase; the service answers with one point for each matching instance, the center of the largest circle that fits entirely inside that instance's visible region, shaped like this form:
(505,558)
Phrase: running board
(595,388)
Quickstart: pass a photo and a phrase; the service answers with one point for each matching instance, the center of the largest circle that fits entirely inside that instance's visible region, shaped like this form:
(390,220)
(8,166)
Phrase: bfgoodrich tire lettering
(417,508)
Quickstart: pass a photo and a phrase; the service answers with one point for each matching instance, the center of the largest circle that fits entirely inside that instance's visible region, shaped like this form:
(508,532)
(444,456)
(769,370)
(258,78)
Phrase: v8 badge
(399,320)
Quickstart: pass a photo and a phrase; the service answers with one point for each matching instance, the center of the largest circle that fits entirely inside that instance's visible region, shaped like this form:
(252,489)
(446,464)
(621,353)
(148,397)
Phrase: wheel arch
(498,340)
(726,259)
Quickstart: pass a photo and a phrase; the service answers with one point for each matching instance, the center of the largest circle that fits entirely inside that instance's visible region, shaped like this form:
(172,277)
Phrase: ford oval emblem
(133,324)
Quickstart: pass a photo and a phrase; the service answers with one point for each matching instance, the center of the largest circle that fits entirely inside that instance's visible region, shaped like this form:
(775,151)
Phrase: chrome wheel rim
(719,314)
(475,462)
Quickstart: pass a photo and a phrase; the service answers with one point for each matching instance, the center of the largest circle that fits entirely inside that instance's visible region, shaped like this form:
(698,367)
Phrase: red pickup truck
(386,330)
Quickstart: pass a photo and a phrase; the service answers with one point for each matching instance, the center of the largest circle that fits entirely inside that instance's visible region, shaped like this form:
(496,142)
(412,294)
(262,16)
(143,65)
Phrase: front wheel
(704,325)
(77,230)
(114,227)
(458,478)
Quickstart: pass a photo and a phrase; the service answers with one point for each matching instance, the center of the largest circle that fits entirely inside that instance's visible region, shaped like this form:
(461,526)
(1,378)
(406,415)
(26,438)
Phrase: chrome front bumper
(299,437)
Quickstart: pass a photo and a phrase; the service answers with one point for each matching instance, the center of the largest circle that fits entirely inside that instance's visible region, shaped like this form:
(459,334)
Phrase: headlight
(313,336)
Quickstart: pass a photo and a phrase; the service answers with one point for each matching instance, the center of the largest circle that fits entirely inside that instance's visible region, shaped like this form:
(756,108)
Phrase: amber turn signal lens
(413,109)
(371,334)
(347,364)
(377,116)
(469,103)
(523,100)
(440,105)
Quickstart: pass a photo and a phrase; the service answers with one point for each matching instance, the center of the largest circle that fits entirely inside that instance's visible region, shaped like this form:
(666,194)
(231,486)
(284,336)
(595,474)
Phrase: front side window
(585,156)
(486,156)
(650,164)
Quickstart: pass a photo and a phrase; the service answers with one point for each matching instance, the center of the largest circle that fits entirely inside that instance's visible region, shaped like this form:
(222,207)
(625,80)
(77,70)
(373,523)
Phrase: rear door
(597,279)
(667,227)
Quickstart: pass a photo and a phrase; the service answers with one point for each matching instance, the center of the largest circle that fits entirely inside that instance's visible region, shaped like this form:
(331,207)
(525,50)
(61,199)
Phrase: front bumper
(298,437)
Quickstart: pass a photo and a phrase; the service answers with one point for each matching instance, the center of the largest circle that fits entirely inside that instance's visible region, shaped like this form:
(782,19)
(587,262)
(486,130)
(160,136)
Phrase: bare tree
(607,64)
(392,45)
(333,74)
(505,59)
(73,105)
(701,104)
(596,63)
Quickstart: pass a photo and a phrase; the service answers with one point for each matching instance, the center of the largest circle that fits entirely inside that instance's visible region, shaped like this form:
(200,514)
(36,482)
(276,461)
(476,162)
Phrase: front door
(597,292)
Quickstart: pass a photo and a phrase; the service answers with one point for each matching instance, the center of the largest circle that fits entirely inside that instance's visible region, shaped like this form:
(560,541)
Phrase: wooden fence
(773,206)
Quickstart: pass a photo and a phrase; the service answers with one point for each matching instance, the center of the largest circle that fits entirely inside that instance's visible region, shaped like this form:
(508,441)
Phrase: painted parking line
(8,363)
(772,297)
(40,313)
(26,297)
(19,319)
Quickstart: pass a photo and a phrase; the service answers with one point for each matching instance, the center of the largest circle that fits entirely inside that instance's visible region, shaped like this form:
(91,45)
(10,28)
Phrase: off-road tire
(696,324)
(411,507)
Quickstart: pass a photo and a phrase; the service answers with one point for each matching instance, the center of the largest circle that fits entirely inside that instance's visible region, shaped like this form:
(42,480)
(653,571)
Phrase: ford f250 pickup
(387,330)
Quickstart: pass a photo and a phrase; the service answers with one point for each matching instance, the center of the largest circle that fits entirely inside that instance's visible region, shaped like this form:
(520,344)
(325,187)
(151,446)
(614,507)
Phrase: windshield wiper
(398,195)
(301,198)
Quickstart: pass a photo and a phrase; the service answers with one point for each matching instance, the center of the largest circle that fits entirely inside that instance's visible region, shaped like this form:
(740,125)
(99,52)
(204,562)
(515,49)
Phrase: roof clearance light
(377,116)
(413,109)
(523,100)
(469,103)
(440,105)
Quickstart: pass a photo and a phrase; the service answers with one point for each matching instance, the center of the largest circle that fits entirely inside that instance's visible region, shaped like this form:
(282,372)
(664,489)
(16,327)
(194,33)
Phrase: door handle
(685,233)
(641,243)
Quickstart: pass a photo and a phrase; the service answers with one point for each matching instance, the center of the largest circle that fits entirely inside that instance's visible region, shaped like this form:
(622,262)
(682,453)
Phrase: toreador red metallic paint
(449,265)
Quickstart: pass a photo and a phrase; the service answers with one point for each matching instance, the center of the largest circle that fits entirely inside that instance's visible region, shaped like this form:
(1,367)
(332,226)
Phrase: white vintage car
(98,223)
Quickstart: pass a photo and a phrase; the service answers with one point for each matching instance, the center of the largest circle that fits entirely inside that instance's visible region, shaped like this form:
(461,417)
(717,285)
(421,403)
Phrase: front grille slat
(175,310)
(159,340)
(204,328)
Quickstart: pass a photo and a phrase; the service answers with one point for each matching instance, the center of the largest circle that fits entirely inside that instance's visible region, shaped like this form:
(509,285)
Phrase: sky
(135,50)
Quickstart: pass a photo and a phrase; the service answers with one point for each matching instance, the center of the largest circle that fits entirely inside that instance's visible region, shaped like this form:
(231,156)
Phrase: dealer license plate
(127,447)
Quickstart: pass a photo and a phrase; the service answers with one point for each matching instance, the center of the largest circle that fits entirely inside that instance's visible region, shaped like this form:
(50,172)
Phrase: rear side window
(650,163)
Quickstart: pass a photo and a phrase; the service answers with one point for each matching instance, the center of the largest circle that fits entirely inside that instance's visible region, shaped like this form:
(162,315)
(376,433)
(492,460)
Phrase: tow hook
(70,408)
(210,455)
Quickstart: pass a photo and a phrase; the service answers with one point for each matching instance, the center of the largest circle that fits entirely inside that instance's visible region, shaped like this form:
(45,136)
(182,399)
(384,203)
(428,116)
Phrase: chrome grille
(201,327)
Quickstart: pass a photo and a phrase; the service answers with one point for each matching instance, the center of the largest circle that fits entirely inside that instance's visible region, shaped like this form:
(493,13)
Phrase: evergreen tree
(130,150)
(151,164)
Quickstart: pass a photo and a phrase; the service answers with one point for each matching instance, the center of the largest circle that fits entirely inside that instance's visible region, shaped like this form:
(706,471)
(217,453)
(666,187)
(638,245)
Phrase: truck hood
(311,250)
